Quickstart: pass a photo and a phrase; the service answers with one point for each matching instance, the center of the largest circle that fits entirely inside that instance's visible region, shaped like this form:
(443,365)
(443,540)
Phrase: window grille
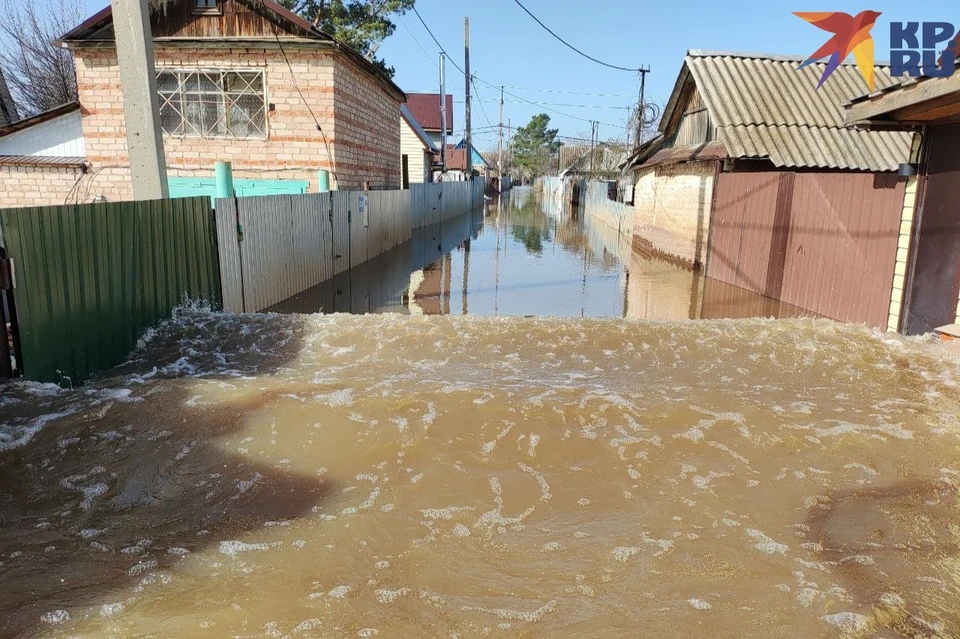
(213,103)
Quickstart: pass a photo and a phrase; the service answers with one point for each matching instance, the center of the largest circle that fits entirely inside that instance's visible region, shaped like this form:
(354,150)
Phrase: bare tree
(40,74)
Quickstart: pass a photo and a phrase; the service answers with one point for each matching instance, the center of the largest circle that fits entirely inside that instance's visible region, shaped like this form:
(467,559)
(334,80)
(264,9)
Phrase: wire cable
(434,62)
(588,57)
(480,102)
(423,22)
(512,95)
(296,85)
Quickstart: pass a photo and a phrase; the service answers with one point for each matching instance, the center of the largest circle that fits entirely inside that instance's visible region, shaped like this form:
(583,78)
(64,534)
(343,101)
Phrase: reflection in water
(524,256)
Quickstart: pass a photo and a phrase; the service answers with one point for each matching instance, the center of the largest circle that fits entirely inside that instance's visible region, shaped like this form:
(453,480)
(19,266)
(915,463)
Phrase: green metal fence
(91,278)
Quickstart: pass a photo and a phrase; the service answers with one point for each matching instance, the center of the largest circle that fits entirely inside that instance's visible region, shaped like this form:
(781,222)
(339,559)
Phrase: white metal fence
(275,247)
(597,203)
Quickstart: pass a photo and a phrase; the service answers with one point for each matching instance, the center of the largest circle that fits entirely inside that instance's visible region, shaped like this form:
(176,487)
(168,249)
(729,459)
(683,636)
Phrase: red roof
(425,107)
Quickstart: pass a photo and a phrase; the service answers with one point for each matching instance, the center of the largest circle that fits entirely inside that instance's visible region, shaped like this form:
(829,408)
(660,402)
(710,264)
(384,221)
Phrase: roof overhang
(40,118)
(707,152)
(43,161)
(914,102)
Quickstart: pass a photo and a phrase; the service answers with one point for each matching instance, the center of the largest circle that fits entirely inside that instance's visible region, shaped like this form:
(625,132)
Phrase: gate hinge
(8,276)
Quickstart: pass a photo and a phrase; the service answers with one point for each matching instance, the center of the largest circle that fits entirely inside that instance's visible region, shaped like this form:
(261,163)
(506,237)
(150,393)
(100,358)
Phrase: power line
(293,76)
(571,106)
(414,7)
(480,102)
(429,57)
(547,108)
(512,95)
(596,95)
(588,57)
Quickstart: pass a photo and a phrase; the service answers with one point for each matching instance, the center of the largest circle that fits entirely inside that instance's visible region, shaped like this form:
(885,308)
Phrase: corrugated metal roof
(425,107)
(42,161)
(764,107)
(696,153)
(826,147)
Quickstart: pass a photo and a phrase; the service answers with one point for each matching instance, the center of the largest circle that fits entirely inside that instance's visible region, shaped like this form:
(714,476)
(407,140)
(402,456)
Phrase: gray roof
(763,107)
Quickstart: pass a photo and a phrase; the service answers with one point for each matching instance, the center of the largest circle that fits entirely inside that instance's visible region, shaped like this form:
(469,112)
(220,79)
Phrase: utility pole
(641,107)
(443,115)
(500,142)
(141,101)
(510,141)
(468,150)
(593,141)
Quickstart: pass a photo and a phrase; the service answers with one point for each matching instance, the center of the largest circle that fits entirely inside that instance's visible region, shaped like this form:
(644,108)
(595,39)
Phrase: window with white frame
(212,103)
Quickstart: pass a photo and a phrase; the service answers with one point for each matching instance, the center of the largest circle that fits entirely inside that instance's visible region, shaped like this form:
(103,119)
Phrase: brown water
(342,476)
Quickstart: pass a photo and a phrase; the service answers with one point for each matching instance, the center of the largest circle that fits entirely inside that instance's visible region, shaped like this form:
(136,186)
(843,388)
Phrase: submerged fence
(273,248)
(89,279)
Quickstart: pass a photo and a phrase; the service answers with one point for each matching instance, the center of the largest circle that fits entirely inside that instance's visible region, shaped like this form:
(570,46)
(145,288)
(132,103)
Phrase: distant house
(425,108)
(754,179)
(240,80)
(457,163)
(926,287)
(602,163)
(417,150)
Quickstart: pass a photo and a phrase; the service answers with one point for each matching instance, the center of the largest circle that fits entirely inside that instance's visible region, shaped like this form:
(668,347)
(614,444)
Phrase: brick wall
(365,125)
(39,186)
(358,119)
(672,216)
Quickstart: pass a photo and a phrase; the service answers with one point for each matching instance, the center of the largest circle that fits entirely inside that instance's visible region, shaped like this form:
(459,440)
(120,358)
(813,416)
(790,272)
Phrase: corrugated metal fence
(825,242)
(91,278)
(273,248)
(612,231)
(597,204)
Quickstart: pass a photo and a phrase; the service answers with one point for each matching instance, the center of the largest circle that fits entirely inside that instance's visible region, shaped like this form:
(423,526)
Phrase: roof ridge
(774,57)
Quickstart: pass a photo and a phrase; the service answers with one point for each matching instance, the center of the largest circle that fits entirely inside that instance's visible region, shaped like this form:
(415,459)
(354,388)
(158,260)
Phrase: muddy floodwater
(363,476)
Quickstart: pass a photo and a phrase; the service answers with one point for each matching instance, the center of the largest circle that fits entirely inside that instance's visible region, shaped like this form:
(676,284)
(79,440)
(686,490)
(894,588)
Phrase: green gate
(89,279)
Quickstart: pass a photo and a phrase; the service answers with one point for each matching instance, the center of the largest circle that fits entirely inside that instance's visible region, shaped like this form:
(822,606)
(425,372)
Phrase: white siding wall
(410,145)
(59,137)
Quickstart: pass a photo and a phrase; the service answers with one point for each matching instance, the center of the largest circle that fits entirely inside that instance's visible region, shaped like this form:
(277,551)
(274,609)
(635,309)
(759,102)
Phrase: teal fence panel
(90,279)
(181,187)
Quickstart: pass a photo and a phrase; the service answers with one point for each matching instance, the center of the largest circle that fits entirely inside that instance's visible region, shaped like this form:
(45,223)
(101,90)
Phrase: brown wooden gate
(825,242)
(935,277)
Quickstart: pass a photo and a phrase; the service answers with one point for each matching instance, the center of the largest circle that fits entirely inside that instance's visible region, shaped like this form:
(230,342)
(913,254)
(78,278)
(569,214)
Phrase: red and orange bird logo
(851,34)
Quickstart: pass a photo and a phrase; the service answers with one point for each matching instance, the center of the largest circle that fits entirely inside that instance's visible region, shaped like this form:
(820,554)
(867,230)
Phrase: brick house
(754,179)
(239,80)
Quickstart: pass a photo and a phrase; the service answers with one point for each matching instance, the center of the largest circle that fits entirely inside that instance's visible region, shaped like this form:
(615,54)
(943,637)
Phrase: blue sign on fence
(362,204)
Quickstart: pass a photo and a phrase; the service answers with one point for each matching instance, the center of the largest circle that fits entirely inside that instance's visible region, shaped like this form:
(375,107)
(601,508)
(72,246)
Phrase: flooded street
(523,255)
(343,476)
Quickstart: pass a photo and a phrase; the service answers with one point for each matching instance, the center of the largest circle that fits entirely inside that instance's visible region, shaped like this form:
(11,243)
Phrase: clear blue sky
(509,48)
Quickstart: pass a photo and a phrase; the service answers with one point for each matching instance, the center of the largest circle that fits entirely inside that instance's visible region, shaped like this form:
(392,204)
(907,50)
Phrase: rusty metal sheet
(935,277)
